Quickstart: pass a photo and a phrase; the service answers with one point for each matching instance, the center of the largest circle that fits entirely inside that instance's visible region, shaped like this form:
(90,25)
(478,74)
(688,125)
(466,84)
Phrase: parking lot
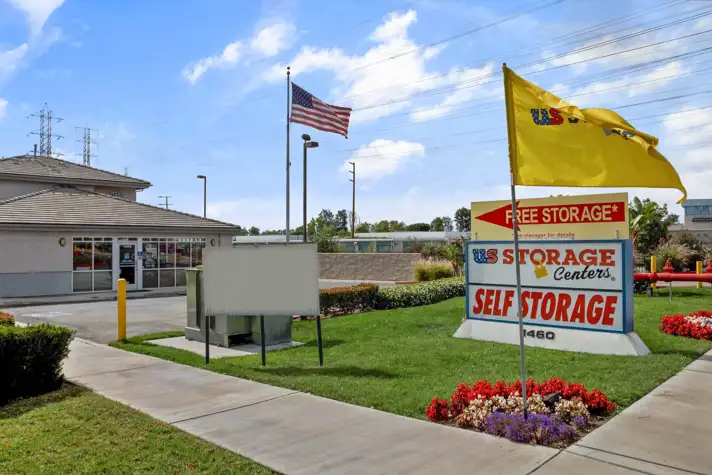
(96,321)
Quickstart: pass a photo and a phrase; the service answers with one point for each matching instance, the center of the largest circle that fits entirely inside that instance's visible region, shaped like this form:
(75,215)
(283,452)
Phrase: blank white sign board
(267,279)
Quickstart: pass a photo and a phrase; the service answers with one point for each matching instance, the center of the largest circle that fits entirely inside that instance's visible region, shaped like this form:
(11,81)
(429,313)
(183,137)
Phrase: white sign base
(603,343)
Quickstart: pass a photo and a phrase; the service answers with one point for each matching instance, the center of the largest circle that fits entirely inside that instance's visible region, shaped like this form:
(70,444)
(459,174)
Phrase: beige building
(697,220)
(67,228)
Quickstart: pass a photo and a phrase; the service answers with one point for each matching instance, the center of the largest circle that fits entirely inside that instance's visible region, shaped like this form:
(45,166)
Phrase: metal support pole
(670,290)
(121,309)
(262,340)
(518,272)
(289,86)
(319,340)
(205,197)
(353,200)
(304,204)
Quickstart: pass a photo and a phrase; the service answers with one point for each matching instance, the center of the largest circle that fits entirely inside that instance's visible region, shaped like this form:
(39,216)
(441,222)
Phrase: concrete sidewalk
(289,431)
(666,432)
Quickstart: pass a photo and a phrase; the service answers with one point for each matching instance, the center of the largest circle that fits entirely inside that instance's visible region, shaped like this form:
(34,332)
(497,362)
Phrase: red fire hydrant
(668,267)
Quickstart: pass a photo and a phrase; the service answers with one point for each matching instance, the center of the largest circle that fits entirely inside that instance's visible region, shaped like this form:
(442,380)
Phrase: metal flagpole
(289,87)
(515,225)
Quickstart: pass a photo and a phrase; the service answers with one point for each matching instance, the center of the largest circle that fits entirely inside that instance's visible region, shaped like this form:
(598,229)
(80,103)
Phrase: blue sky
(176,89)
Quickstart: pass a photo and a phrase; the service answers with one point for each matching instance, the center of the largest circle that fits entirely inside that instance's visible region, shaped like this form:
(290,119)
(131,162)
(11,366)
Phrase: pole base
(566,339)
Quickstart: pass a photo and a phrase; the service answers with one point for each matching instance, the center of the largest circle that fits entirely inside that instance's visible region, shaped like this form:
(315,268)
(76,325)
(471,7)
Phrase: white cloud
(260,212)
(380,75)
(3,107)
(10,60)
(267,42)
(273,39)
(689,131)
(630,86)
(229,57)
(383,157)
(37,12)
(467,86)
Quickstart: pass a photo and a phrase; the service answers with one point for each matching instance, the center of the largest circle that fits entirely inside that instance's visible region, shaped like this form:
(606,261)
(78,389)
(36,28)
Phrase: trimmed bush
(31,360)
(342,300)
(7,319)
(428,271)
(415,295)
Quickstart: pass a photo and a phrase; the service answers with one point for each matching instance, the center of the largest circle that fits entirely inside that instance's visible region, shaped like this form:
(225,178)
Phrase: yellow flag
(554,143)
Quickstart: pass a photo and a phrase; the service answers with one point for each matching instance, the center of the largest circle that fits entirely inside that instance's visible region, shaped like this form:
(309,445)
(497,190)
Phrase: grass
(73,430)
(398,360)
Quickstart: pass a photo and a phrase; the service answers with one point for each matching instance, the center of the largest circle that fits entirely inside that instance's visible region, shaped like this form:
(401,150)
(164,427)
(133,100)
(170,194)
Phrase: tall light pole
(307,144)
(205,194)
(353,200)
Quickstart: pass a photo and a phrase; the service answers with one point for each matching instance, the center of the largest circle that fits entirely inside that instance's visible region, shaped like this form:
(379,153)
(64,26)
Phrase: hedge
(415,295)
(7,319)
(341,300)
(31,360)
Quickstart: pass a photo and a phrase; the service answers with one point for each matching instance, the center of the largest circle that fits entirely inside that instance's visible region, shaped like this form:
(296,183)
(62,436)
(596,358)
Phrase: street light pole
(307,144)
(353,200)
(205,194)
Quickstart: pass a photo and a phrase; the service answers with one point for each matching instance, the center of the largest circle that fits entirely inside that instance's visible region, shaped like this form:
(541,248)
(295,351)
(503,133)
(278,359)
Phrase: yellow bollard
(653,268)
(121,309)
(699,271)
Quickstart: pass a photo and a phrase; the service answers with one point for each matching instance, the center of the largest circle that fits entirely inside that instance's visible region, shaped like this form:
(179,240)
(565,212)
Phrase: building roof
(419,235)
(265,238)
(697,202)
(75,208)
(56,171)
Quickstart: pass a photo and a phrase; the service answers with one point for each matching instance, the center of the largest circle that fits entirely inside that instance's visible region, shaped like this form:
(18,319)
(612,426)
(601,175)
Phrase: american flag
(308,110)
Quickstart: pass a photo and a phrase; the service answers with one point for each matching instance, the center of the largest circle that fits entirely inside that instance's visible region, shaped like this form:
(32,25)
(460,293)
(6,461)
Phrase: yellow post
(121,309)
(653,268)
(699,271)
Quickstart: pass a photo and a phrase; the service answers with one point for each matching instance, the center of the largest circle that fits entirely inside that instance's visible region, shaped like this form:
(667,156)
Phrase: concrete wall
(363,266)
(35,264)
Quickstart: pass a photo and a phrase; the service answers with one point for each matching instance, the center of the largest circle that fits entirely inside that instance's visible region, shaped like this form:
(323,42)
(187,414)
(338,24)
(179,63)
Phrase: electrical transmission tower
(87,142)
(45,131)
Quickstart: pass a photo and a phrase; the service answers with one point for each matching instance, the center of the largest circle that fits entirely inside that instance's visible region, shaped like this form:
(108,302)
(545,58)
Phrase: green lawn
(398,360)
(76,431)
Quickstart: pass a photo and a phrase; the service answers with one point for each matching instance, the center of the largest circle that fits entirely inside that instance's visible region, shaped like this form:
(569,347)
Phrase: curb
(108,298)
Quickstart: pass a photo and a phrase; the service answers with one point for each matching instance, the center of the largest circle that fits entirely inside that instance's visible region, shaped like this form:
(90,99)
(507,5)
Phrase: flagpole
(515,225)
(289,86)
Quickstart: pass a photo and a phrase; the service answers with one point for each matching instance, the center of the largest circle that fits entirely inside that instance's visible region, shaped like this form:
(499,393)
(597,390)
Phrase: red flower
(438,410)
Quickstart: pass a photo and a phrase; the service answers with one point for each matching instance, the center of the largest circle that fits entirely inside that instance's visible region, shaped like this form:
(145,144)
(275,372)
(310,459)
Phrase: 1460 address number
(539,334)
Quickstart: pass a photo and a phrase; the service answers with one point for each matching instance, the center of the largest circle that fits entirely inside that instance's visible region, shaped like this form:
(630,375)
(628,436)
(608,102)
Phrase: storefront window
(196,255)
(183,254)
(82,256)
(167,255)
(81,281)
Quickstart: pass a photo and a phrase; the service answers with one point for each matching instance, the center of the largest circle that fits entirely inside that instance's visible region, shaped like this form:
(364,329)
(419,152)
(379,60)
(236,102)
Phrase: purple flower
(536,429)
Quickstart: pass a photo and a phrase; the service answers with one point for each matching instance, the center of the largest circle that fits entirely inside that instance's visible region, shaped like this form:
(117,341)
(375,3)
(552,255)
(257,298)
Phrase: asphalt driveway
(96,321)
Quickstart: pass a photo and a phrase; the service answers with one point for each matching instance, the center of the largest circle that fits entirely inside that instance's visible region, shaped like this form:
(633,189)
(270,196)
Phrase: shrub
(679,255)
(415,295)
(342,300)
(641,286)
(31,359)
(326,243)
(536,429)
(427,271)
(433,252)
(7,319)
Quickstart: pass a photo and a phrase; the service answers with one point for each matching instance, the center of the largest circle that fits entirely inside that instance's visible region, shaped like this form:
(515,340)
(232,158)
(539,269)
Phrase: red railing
(669,275)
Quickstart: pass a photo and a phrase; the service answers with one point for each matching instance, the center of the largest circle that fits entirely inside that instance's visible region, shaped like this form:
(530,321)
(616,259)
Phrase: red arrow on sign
(578,213)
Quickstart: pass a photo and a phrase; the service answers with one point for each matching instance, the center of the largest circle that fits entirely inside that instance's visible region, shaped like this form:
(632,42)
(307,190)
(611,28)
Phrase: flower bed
(696,325)
(560,412)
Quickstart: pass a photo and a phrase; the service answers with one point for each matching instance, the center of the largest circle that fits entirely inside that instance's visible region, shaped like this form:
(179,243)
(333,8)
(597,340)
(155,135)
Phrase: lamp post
(205,194)
(307,144)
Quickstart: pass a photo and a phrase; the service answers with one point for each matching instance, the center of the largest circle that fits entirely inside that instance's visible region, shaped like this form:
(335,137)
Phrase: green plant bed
(73,430)
(398,360)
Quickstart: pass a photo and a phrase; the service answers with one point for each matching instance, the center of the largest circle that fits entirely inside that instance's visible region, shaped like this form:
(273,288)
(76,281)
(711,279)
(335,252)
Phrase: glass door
(127,264)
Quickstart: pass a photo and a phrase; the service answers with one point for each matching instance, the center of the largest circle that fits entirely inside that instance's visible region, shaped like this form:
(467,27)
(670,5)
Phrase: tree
(364,227)
(462,220)
(447,223)
(254,231)
(327,217)
(241,231)
(418,227)
(341,220)
(649,223)
(382,226)
(437,224)
(394,226)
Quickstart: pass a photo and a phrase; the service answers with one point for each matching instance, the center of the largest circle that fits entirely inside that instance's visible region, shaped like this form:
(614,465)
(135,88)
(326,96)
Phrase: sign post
(576,295)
